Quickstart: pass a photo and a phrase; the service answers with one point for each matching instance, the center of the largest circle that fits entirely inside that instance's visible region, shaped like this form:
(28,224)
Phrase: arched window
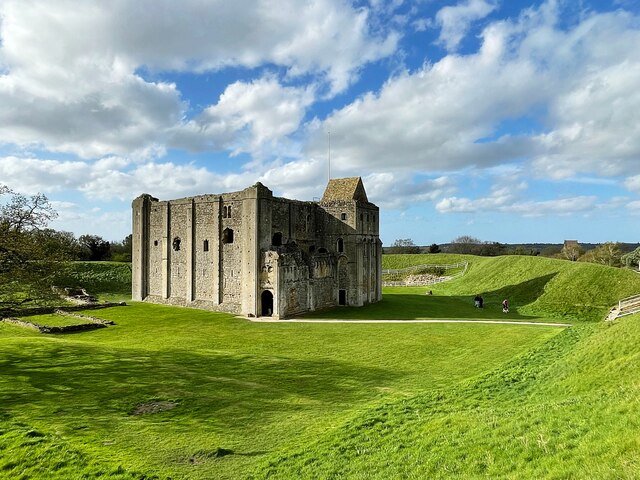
(227,235)
(343,216)
(276,240)
(205,245)
(340,245)
(229,211)
(176,243)
(322,250)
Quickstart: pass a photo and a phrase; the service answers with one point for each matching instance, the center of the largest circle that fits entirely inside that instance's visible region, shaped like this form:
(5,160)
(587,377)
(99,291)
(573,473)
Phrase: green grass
(109,279)
(259,400)
(411,303)
(535,286)
(566,409)
(250,388)
(399,261)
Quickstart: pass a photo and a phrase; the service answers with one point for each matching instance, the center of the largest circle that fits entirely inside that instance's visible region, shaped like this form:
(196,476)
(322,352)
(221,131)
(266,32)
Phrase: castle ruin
(254,254)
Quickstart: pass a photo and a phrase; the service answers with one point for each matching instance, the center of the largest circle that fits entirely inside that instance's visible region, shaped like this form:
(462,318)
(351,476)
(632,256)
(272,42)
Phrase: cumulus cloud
(572,93)
(455,21)
(32,175)
(633,183)
(70,78)
(247,116)
(388,190)
(504,202)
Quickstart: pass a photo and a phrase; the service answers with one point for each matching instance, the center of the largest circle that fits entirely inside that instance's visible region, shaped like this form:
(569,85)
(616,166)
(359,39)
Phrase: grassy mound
(537,286)
(564,410)
(400,261)
(98,278)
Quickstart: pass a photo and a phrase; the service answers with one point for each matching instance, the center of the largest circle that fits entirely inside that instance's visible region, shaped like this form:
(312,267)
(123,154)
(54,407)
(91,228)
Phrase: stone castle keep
(254,254)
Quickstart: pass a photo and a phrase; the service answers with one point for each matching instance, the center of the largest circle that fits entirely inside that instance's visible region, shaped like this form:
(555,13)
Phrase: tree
(632,259)
(572,250)
(121,251)
(473,246)
(95,248)
(59,244)
(608,253)
(404,245)
(26,266)
(434,248)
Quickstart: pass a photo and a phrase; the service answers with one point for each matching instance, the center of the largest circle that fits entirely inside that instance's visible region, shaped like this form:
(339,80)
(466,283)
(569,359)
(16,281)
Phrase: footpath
(336,320)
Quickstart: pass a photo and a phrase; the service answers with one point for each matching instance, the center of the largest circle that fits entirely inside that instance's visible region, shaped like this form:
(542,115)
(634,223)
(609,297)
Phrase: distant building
(251,253)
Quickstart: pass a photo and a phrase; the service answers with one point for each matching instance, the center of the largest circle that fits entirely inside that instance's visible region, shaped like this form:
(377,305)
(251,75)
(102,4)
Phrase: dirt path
(335,320)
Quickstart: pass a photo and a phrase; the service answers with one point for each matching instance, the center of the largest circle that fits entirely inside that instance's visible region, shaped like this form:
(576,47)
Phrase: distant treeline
(608,253)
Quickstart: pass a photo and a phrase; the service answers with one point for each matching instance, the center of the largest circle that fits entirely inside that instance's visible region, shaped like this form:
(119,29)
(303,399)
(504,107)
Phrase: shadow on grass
(398,303)
(228,391)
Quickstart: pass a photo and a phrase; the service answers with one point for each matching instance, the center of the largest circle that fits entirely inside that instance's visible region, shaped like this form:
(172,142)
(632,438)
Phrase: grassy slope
(334,407)
(535,286)
(65,401)
(98,278)
(567,409)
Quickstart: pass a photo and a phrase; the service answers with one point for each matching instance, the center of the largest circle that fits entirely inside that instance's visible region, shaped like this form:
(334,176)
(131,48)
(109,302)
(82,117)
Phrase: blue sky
(508,121)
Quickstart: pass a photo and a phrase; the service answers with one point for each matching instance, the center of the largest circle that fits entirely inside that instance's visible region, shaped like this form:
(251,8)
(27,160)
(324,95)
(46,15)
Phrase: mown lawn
(241,392)
(566,409)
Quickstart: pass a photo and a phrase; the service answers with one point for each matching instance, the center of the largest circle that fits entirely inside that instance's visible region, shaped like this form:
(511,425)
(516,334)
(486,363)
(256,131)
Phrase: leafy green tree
(434,248)
(121,251)
(26,266)
(473,246)
(59,244)
(95,248)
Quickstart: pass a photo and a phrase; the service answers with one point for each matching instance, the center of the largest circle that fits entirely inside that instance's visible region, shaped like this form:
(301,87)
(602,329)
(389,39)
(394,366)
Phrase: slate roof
(345,189)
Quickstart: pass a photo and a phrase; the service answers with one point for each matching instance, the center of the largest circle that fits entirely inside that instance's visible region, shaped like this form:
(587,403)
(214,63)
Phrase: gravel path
(335,320)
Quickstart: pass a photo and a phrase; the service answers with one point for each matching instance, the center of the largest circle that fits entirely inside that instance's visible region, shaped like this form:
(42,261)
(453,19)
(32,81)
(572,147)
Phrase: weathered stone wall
(179,239)
(206,248)
(156,244)
(228,252)
(293,284)
(231,251)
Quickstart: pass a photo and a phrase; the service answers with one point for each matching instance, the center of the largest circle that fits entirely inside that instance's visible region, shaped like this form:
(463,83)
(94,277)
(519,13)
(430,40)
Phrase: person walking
(505,306)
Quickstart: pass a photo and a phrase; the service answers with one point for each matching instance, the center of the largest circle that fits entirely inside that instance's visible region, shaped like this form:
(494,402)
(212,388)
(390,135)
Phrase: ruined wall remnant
(252,253)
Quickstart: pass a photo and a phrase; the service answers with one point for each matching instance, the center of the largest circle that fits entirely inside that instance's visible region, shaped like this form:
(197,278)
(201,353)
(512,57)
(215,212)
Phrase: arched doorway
(267,303)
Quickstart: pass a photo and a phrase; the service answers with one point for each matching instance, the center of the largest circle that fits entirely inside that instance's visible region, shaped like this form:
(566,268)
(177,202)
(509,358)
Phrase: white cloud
(389,190)
(505,203)
(633,184)
(246,117)
(578,86)
(70,78)
(634,207)
(32,175)
(456,20)
(432,119)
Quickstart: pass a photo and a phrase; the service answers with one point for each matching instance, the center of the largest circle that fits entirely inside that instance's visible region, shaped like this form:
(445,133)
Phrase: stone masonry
(254,254)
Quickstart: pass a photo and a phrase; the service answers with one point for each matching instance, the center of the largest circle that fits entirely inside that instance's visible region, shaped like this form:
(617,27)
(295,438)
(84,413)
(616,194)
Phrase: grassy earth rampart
(186,394)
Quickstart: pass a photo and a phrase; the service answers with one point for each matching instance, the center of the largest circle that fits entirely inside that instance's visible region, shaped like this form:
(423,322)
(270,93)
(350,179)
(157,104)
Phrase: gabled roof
(345,189)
